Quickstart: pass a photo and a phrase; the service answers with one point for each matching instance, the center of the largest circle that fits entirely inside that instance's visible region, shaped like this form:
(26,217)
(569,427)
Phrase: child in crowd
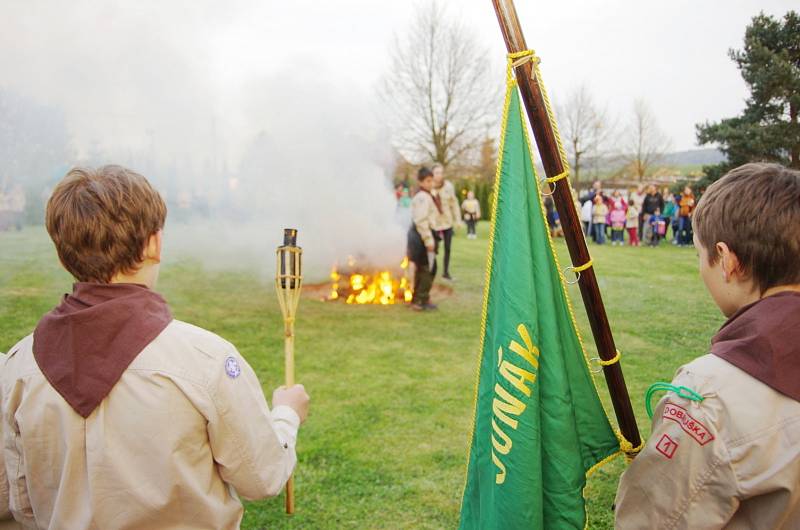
(618,201)
(669,210)
(636,197)
(471,209)
(686,207)
(657,228)
(586,218)
(116,415)
(632,224)
(558,230)
(723,450)
(599,213)
(403,210)
(405,198)
(617,219)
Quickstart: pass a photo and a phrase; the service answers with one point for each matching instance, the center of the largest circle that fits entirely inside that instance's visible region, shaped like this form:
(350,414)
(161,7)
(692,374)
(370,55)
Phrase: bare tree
(646,142)
(440,95)
(586,128)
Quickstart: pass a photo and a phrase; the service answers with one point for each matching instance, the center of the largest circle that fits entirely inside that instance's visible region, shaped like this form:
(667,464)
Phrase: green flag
(539,425)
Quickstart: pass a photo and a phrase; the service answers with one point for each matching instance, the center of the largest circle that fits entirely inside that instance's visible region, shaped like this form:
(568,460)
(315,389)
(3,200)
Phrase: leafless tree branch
(440,96)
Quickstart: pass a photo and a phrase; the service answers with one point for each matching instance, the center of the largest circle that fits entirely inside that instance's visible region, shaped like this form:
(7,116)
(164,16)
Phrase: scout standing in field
(425,207)
(472,213)
(448,214)
(725,445)
(114,414)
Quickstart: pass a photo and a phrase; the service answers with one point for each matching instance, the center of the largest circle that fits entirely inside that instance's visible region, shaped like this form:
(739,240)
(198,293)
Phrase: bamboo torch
(288,281)
(535,105)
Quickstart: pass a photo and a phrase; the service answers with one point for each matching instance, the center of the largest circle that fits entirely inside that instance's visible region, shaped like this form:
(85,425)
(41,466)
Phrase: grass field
(392,390)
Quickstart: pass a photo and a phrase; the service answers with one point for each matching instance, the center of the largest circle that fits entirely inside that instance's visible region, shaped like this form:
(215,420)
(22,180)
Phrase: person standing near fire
(449,214)
(472,213)
(422,245)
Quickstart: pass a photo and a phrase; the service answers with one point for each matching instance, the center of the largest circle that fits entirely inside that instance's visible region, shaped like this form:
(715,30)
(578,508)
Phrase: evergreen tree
(768,129)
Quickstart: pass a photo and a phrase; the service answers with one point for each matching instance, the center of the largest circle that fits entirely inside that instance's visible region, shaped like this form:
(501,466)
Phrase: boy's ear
(728,260)
(153,249)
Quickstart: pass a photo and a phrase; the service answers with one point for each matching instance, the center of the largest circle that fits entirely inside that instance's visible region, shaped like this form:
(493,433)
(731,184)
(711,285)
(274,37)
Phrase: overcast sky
(139,60)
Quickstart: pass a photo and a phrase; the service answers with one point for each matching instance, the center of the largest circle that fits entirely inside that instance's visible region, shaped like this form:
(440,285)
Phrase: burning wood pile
(359,285)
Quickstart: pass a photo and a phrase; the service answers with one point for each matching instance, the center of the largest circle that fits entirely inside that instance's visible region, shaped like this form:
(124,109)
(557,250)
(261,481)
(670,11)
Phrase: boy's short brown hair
(101,220)
(755,210)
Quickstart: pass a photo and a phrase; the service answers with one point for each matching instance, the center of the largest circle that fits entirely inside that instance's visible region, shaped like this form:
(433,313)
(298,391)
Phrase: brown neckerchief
(436,199)
(763,339)
(84,345)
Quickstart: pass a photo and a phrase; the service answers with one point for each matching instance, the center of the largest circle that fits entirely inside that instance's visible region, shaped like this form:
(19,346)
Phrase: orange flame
(380,287)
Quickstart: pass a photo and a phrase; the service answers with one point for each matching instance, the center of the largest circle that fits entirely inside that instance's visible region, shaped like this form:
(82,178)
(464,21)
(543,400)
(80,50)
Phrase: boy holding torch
(115,415)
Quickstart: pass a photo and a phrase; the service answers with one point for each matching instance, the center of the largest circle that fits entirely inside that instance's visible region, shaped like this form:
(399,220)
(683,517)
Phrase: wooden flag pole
(536,107)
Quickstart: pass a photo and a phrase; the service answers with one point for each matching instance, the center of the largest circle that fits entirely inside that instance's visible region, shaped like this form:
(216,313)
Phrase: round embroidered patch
(232,367)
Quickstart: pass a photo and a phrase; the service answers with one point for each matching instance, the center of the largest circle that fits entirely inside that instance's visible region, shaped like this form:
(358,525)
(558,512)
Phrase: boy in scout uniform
(725,445)
(422,244)
(7,521)
(448,214)
(114,414)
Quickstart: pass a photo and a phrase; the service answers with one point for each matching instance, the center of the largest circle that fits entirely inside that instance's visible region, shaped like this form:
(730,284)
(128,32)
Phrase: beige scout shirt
(451,213)
(184,430)
(730,461)
(7,521)
(472,207)
(424,213)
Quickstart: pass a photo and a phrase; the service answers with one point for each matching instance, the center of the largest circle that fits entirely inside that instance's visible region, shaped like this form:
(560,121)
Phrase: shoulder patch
(690,425)
(232,367)
(667,446)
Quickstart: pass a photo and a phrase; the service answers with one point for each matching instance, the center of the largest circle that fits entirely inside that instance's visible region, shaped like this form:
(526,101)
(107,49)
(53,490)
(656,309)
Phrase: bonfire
(357,284)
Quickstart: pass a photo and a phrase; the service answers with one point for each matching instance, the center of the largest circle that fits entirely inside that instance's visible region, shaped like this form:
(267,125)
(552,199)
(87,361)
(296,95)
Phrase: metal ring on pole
(553,181)
(551,190)
(577,270)
(600,369)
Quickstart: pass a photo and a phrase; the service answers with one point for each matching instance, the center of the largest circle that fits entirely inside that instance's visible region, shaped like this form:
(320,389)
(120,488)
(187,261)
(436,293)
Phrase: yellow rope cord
(518,59)
(577,270)
(562,175)
(514,60)
(627,448)
(583,267)
(510,84)
(611,361)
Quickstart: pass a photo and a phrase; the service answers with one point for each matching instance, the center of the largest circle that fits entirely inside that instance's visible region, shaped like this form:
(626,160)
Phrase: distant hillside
(700,157)
(681,160)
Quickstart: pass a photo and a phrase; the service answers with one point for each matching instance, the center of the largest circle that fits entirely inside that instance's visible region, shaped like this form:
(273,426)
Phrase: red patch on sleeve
(666,446)
(691,426)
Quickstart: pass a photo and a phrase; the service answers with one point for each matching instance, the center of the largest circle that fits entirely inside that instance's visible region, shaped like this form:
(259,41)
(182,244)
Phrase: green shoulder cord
(682,391)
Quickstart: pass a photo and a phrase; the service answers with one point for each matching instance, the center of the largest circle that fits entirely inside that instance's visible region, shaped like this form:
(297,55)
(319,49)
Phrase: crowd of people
(640,216)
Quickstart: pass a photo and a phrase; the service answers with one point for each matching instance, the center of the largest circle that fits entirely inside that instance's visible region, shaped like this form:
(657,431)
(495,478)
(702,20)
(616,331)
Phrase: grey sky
(153,64)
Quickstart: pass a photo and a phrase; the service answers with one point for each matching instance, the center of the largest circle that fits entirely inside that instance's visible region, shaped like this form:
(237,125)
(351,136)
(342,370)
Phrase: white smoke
(239,147)
(316,165)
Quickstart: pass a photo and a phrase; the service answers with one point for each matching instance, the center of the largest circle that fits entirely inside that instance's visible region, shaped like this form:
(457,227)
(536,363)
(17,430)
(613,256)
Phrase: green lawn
(385,444)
